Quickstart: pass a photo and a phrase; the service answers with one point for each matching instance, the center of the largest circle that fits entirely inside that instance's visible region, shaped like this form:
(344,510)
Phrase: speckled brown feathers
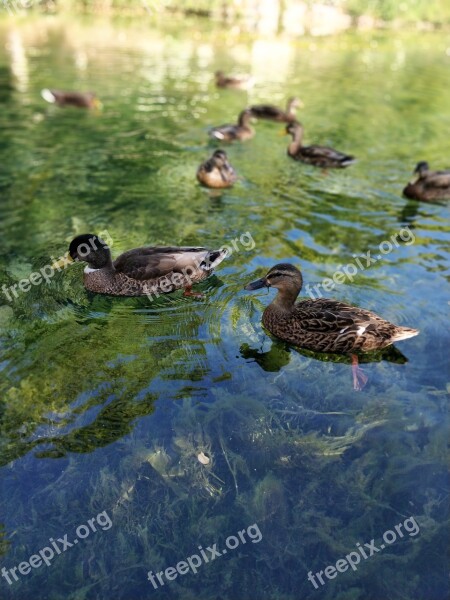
(273,113)
(142,271)
(318,156)
(216,172)
(240,132)
(429,185)
(323,325)
(78,99)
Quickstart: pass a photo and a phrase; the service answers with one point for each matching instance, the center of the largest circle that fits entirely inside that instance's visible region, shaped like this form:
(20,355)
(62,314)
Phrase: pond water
(107,403)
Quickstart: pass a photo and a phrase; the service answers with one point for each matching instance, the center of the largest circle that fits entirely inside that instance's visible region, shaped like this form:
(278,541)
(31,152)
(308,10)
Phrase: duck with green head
(142,271)
(324,325)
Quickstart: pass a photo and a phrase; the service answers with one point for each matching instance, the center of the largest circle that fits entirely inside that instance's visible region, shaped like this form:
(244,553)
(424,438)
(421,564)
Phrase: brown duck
(273,113)
(217,172)
(78,99)
(319,156)
(147,271)
(230,133)
(429,185)
(324,325)
(240,83)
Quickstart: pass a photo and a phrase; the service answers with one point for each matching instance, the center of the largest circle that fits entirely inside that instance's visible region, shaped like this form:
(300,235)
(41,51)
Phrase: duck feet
(359,377)
(188,293)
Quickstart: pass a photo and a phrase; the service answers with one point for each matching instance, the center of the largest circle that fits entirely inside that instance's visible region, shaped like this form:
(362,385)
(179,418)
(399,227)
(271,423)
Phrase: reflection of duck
(429,185)
(319,156)
(217,172)
(79,99)
(324,325)
(241,131)
(141,271)
(242,82)
(273,113)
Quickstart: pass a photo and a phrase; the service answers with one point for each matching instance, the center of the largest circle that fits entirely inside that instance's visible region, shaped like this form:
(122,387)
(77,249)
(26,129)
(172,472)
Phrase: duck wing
(331,325)
(316,153)
(223,132)
(152,262)
(266,111)
(438,179)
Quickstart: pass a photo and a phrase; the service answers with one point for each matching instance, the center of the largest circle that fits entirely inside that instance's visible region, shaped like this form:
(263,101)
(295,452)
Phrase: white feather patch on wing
(89,270)
(361,330)
(48,96)
(217,135)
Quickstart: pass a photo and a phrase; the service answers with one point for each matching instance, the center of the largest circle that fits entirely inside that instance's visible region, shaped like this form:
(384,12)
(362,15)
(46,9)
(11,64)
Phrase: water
(107,402)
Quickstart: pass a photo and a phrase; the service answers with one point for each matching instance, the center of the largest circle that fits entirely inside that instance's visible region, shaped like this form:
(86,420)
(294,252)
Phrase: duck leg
(359,377)
(188,293)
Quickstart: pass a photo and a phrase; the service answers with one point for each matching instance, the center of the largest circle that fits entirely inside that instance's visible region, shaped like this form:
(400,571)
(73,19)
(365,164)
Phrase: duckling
(318,156)
(324,325)
(78,99)
(429,185)
(242,82)
(141,271)
(273,113)
(217,172)
(230,133)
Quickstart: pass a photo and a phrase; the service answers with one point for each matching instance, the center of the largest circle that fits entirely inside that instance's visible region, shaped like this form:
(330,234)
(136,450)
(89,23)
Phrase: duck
(240,82)
(429,185)
(148,271)
(273,113)
(78,99)
(324,325)
(216,172)
(230,133)
(318,156)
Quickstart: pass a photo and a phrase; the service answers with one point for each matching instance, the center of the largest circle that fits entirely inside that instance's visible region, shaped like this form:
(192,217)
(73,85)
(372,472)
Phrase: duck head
(285,277)
(220,158)
(422,167)
(91,249)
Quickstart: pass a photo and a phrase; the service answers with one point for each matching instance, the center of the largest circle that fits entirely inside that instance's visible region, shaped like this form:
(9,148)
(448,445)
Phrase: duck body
(242,131)
(78,99)
(142,271)
(238,83)
(318,156)
(273,113)
(429,185)
(324,325)
(217,172)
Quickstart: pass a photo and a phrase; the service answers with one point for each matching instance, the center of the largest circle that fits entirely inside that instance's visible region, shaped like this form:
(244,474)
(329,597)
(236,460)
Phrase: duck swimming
(273,113)
(217,172)
(230,133)
(318,156)
(242,82)
(141,271)
(78,99)
(324,325)
(429,185)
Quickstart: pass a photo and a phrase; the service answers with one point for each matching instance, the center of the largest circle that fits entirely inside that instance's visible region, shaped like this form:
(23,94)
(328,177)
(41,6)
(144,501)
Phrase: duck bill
(63,262)
(256,285)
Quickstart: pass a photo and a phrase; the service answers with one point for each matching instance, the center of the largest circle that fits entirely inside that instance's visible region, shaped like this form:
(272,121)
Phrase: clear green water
(106,402)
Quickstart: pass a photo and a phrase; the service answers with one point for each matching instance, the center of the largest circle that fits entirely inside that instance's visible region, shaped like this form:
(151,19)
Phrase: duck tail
(403,333)
(213,258)
(348,160)
(48,95)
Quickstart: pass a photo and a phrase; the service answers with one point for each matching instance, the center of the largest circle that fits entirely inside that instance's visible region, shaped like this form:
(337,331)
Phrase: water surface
(107,402)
